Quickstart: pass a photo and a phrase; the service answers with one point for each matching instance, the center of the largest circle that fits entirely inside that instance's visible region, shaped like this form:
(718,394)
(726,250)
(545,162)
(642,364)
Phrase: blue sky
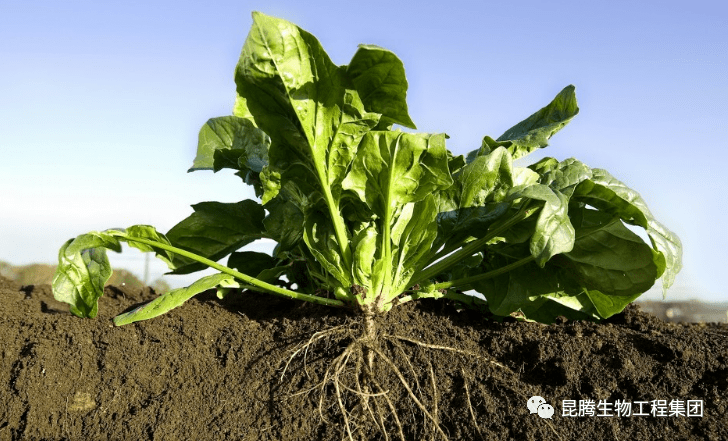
(101,102)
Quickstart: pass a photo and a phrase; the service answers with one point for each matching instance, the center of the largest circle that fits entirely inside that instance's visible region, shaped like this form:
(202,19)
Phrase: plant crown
(368,217)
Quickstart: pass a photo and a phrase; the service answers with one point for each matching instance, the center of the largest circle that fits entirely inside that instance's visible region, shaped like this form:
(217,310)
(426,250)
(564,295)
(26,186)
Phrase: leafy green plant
(367,217)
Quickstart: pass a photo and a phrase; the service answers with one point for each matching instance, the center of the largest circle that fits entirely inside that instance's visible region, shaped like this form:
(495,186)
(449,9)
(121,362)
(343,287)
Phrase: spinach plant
(367,216)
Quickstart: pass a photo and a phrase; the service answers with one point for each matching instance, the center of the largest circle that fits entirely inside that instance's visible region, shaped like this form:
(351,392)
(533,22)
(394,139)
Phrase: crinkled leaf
(534,132)
(536,294)
(563,176)
(172,299)
(609,258)
(455,163)
(607,269)
(321,240)
(302,100)
(83,267)
(378,75)
(215,230)
(149,232)
(94,239)
(392,169)
(611,196)
(412,242)
(364,259)
(553,232)
(236,143)
(487,179)
(475,200)
(231,142)
(82,273)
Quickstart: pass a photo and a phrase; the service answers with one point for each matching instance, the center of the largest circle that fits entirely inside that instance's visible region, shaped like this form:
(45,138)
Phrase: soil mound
(214,370)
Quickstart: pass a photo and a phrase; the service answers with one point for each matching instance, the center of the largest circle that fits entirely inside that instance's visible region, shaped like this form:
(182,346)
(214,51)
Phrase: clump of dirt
(214,369)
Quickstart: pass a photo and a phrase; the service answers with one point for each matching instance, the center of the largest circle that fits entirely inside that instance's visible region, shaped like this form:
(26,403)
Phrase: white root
(374,400)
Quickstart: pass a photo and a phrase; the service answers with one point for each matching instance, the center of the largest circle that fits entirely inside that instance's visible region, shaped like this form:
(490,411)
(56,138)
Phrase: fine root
(352,383)
(434,392)
(407,386)
(470,407)
(445,348)
(314,338)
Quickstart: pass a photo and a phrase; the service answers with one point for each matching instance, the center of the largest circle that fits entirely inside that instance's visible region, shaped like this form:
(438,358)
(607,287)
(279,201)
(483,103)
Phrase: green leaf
(607,269)
(285,222)
(550,306)
(608,305)
(392,171)
(534,132)
(365,263)
(215,230)
(303,101)
(236,143)
(412,241)
(311,111)
(553,232)
(83,270)
(149,232)
(251,263)
(378,75)
(94,239)
(609,258)
(475,200)
(536,293)
(487,179)
(173,299)
(320,237)
(611,196)
(83,267)
(563,176)
(231,142)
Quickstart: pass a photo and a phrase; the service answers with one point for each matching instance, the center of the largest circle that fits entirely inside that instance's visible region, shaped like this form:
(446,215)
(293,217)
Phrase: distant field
(39,274)
(688,312)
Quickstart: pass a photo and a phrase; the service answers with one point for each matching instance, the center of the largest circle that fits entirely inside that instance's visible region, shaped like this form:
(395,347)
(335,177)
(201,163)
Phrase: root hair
(351,382)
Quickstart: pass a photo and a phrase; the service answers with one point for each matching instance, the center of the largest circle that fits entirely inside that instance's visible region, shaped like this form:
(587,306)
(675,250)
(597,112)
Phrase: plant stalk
(488,275)
(339,226)
(448,294)
(273,289)
(471,248)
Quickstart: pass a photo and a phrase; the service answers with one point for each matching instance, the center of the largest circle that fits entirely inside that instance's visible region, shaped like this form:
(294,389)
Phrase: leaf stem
(273,289)
(339,226)
(386,236)
(442,253)
(448,294)
(471,248)
(488,275)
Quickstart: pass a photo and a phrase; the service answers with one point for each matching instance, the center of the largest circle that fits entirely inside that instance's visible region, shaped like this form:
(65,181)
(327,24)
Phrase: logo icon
(539,406)
(546,411)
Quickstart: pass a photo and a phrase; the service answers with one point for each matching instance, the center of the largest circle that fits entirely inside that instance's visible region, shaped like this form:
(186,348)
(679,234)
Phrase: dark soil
(211,370)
